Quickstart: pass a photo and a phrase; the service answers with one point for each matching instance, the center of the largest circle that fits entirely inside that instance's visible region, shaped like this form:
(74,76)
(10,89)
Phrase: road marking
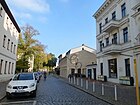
(18,102)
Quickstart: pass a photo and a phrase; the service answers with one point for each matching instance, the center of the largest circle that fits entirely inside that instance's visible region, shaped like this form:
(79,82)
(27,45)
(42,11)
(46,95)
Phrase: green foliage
(51,61)
(30,48)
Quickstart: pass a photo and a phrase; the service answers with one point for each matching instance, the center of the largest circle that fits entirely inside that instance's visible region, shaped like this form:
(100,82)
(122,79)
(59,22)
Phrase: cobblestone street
(53,91)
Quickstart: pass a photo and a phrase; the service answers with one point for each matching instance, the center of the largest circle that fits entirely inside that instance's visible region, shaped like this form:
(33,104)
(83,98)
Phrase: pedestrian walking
(45,75)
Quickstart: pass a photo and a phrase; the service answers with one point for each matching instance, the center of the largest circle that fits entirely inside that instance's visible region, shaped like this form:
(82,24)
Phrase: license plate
(19,91)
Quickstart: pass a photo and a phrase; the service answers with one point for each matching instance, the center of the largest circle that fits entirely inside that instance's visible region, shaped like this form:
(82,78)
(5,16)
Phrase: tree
(27,46)
(51,61)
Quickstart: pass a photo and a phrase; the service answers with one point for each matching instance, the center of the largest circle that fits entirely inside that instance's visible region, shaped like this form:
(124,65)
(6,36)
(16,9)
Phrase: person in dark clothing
(45,75)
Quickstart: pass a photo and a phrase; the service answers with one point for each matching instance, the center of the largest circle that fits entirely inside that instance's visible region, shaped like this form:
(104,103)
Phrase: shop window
(127,67)
(101,66)
(112,63)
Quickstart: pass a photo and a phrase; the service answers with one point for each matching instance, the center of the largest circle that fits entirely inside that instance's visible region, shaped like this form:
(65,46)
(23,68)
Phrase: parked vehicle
(37,76)
(22,84)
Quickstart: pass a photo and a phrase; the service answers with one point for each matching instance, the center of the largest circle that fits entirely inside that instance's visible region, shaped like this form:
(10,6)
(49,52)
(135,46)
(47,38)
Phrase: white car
(22,84)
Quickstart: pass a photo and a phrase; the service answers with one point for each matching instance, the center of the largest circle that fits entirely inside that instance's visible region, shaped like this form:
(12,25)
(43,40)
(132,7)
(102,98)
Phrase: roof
(102,8)
(77,49)
(80,48)
(7,10)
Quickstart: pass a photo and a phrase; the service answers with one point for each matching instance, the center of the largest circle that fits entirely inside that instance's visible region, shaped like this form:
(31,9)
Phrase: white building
(76,60)
(9,32)
(118,38)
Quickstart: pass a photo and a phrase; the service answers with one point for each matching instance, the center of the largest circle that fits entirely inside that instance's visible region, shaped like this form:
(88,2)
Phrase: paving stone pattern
(54,91)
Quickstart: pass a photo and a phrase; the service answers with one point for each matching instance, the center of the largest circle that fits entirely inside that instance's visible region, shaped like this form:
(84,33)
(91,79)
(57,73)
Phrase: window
(114,15)
(9,67)
(11,46)
(4,39)
(8,44)
(114,40)
(14,49)
(23,76)
(12,68)
(107,41)
(125,34)
(101,45)
(1,11)
(123,9)
(5,67)
(127,67)
(138,9)
(101,65)
(1,66)
(106,20)
(100,27)
(112,64)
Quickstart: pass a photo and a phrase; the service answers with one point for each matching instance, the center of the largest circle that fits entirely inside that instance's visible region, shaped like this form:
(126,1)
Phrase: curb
(90,93)
(109,101)
(2,98)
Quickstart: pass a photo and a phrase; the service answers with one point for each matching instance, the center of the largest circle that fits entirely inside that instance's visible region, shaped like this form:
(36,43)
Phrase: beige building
(9,32)
(76,60)
(118,39)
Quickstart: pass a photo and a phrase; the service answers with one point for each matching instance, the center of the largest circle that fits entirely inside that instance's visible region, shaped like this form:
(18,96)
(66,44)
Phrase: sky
(62,24)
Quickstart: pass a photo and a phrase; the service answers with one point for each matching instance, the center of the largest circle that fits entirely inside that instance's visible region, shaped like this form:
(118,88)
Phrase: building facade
(9,32)
(118,38)
(76,60)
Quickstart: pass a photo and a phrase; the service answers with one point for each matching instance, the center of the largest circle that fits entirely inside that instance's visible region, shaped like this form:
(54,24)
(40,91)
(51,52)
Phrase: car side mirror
(10,79)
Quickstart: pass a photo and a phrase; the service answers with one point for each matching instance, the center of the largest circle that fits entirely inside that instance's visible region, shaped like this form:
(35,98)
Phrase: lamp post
(137,83)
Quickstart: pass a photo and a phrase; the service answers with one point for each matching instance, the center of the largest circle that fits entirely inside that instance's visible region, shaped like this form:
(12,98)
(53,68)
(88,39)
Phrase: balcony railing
(111,25)
(112,49)
(114,23)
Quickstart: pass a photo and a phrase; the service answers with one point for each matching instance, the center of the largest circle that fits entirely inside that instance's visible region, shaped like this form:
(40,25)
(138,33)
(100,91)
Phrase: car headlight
(32,85)
(9,86)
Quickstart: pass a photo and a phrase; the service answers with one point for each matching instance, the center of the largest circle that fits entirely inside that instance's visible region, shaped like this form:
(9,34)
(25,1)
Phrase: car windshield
(23,77)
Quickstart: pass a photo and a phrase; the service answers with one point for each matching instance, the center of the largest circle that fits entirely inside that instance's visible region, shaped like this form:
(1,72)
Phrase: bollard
(102,89)
(69,79)
(74,80)
(115,89)
(81,82)
(93,86)
(77,81)
(86,84)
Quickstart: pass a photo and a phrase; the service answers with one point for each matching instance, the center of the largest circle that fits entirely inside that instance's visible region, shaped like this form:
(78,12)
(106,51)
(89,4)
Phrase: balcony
(112,49)
(111,25)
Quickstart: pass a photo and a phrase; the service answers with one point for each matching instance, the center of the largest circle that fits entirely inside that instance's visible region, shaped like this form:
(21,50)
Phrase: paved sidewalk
(2,89)
(125,94)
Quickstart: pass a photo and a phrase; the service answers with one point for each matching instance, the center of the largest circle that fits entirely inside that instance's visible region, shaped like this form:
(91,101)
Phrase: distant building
(31,63)
(91,71)
(68,63)
(9,32)
(118,38)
